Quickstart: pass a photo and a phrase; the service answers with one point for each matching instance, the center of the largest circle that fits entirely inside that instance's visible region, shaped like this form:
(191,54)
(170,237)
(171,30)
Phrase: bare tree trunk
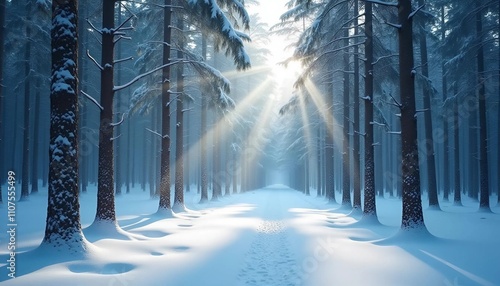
(484,202)
(429,141)
(36,139)
(179,127)
(118,130)
(27,92)
(165,203)
(370,207)
(446,143)
(203,134)
(456,152)
(346,166)
(356,184)
(412,202)
(329,170)
(105,179)
(2,112)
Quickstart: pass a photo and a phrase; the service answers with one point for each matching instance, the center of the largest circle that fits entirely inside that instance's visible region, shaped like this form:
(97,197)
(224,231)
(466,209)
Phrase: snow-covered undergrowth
(273,236)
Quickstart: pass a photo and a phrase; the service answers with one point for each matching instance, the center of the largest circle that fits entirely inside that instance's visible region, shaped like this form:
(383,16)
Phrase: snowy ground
(273,236)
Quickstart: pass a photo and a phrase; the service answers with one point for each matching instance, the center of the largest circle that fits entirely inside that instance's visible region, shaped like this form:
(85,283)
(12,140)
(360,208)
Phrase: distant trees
(324,44)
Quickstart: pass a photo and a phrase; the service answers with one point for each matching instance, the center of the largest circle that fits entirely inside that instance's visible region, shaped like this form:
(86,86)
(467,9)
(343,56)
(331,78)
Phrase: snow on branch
(92,99)
(384,57)
(123,60)
(94,27)
(119,122)
(412,14)
(135,79)
(396,103)
(392,4)
(121,28)
(397,26)
(157,134)
(94,60)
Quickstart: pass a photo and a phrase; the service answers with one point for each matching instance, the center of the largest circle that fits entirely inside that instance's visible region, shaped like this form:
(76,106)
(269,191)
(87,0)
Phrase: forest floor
(273,236)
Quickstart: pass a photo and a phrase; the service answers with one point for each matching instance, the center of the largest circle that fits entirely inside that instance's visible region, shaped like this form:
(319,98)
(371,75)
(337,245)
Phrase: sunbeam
(325,111)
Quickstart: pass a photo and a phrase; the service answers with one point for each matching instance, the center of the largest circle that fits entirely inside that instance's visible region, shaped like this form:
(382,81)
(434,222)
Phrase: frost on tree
(63,226)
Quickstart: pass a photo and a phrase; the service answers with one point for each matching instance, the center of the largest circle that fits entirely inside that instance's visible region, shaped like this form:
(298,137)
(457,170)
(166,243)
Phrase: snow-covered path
(275,236)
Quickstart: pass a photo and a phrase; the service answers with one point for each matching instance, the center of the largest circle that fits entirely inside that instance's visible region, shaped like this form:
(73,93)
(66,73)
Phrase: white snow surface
(273,236)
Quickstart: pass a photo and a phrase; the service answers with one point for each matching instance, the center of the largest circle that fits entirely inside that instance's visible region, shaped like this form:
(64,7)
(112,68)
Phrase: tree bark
(446,142)
(27,92)
(356,184)
(484,202)
(429,141)
(412,202)
(63,227)
(105,178)
(179,127)
(329,171)
(164,203)
(370,207)
(2,112)
(456,153)
(346,166)
(203,134)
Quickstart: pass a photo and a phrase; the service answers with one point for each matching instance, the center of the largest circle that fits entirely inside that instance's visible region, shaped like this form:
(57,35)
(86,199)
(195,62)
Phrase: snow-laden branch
(392,4)
(394,132)
(397,104)
(92,99)
(377,123)
(114,138)
(397,26)
(135,79)
(120,27)
(412,14)
(158,134)
(94,60)
(384,57)
(94,27)
(119,122)
(123,60)
(186,110)
(121,37)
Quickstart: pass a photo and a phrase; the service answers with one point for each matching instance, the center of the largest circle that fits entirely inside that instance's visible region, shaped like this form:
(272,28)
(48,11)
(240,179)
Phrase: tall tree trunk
(446,142)
(179,127)
(484,202)
(118,129)
(318,171)
(187,170)
(165,203)
(27,92)
(105,178)
(2,112)
(203,134)
(412,202)
(346,166)
(216,181)
(429,141)
(329,170)
(356,184)
(63,228)
(456,152)
(370,207)
(36,139)
(498,114)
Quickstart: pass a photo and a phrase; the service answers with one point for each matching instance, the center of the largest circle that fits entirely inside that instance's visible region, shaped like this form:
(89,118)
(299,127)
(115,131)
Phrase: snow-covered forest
(232,142)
